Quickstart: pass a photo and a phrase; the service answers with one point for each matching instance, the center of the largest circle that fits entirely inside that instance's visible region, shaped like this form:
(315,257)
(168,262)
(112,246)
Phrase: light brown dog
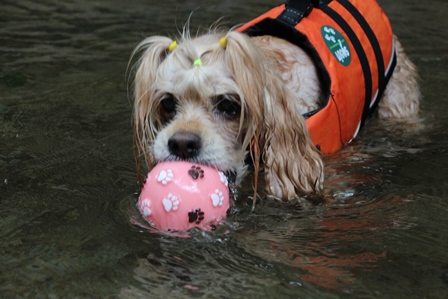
(198,101)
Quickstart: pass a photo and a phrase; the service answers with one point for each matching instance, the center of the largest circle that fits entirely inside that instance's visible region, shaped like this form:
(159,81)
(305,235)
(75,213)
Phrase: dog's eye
(169,104)
(228,106)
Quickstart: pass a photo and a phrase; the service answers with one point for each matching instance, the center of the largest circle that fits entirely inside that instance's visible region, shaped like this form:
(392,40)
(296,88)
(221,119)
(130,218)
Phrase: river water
(69,227)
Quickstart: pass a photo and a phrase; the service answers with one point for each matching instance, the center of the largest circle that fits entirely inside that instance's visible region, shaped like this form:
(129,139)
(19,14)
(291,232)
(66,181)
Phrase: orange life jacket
(351,43)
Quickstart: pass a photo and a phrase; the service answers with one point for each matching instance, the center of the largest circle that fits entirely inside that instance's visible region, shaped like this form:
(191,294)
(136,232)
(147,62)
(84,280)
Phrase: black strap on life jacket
(383,75)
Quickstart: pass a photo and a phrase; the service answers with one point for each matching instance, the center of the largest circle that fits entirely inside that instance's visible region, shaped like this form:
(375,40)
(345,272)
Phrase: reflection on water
(68,217)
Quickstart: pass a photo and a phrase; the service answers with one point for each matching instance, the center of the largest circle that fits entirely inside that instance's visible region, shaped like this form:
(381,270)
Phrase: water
(68,222)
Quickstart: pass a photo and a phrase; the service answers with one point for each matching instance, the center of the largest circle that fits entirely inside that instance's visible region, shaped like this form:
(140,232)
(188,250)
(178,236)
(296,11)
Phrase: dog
(221,97)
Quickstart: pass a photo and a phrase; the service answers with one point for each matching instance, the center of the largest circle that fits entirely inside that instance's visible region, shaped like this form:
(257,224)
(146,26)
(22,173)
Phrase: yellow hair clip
(197,62)
(223,42)
(172,46)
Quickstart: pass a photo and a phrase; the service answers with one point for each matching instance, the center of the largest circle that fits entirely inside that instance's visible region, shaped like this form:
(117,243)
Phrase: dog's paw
(170,203)
(217,198)
(165,176)
(145,207)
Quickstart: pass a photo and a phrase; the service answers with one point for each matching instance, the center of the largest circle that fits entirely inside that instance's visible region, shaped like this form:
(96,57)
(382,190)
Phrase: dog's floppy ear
(293,166)
(243,62)
(155,50)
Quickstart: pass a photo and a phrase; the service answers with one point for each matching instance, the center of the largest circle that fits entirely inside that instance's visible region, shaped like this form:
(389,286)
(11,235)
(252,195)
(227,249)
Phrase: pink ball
(182,195)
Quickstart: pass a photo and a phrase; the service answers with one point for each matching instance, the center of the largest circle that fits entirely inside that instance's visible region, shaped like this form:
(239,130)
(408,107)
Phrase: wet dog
(218,98)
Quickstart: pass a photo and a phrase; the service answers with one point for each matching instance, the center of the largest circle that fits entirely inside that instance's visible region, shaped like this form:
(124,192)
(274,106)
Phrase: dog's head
(212,99)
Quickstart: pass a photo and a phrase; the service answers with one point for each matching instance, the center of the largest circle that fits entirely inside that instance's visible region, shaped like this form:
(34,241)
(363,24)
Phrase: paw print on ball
(217,198)
(223,178)
(196,172)
(170,203)
(165,176)
(145,207)
(196,216)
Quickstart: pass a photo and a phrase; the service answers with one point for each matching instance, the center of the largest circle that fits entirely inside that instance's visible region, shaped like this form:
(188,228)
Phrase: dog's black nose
(185,144)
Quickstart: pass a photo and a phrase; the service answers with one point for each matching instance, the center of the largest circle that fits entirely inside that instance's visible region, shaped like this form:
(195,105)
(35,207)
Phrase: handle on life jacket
(296,10)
